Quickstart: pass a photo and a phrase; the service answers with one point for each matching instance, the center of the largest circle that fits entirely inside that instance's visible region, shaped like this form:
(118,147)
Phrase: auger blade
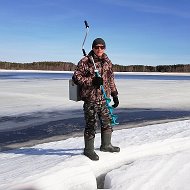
(113,121)
(108,100)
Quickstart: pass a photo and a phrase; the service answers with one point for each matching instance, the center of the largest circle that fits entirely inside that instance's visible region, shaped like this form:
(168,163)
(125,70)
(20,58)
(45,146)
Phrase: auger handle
(84,52)
(86,24)
(87,27)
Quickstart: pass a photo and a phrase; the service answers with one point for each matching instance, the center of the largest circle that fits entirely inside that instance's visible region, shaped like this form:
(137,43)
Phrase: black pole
(87,29)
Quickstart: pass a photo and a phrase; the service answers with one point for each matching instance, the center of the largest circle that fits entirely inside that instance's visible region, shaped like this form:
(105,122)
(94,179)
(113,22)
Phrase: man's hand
(97,81)
(116,101)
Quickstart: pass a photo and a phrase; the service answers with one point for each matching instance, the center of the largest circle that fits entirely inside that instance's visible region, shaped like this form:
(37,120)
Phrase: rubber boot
(89,149)
(106,145)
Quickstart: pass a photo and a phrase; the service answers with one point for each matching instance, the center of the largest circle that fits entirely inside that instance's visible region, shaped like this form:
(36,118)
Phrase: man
(94,104)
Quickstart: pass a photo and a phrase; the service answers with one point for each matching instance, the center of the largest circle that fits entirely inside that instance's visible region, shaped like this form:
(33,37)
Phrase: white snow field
(152,157)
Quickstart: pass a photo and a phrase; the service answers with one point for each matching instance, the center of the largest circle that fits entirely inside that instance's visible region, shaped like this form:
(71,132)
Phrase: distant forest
(68,66)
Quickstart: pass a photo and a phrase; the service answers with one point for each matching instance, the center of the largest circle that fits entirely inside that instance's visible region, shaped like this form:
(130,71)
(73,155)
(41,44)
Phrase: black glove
(116,101)
(97,81)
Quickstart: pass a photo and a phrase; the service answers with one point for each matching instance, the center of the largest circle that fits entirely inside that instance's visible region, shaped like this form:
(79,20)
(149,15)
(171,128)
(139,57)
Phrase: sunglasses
(97,47)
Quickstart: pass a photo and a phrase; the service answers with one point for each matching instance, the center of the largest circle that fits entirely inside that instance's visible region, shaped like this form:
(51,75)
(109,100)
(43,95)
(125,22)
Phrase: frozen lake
(39,108)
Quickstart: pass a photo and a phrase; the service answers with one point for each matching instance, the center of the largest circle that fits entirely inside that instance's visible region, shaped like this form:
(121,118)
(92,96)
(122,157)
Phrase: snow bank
(151,157)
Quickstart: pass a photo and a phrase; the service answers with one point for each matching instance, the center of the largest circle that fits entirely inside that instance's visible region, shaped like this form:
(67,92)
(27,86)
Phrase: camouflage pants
(93,112)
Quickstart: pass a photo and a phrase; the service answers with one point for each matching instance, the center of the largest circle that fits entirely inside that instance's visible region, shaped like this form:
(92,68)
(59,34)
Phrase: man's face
(99,49)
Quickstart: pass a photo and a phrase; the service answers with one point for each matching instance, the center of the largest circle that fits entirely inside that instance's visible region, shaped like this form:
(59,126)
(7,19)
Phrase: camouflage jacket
(85,72)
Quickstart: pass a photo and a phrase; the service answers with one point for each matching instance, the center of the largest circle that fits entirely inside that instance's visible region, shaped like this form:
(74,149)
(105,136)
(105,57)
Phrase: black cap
(98,41)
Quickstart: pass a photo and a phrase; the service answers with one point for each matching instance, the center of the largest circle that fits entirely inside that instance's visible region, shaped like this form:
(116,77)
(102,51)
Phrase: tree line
(160,68)
(45,65)
(68,66)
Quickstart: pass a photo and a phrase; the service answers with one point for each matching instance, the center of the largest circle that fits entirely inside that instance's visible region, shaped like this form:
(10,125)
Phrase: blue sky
(137,32)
